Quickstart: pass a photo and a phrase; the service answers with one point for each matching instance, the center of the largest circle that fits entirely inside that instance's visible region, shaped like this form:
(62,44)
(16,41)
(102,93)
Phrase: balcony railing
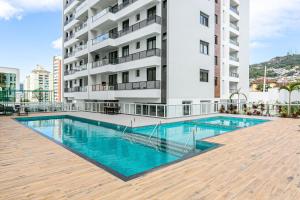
(70,19)
(234,42)
(135,27)
(233,58)
(76,89)
(69,3)
(234,74)
(81,6)
(68,55)
(77,69)
(81,26)
(101,14)
(143,85)
(123,5)
(235,10)
(81,48)
(234,26)
(129,58)
(69,38)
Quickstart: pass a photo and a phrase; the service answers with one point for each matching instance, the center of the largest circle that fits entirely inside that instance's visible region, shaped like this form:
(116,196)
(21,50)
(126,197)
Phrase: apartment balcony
(234,45)
(234,75)
(75,89)
(143,89)
(114,14)
(70,6)
(234,12)
(150,26)
(234,28)
(234,61)
(70,40)
(76,92)
(81,29)
(70,23)
(69,57)
(134,61)
(81,50)
(81,9)
(79,71)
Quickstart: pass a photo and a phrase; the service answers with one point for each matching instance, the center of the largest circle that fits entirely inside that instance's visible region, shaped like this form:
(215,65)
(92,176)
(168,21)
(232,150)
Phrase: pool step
(160,144)
(214,125)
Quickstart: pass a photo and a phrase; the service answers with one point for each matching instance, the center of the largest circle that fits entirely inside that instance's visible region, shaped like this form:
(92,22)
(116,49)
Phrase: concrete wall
(184,58)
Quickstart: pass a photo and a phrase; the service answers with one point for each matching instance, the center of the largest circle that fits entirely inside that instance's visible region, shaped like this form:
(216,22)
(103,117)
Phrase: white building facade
(155,51)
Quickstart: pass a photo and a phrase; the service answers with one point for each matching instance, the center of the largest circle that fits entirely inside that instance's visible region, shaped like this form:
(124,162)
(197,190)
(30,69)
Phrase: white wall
(184,58)
(273,96)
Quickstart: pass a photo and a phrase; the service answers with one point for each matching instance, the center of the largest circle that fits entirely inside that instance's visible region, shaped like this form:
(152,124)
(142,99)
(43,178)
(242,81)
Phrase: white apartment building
(155,51)
(38,85)
(57,78)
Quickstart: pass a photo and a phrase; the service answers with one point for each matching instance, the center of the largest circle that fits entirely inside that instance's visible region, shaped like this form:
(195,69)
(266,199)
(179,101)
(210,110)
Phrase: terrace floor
(260,162)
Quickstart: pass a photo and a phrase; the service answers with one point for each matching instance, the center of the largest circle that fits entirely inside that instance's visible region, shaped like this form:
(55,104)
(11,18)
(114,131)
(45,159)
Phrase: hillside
(284,66)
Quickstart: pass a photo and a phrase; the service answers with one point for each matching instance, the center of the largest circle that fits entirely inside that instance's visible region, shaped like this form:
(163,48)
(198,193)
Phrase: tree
(290,88)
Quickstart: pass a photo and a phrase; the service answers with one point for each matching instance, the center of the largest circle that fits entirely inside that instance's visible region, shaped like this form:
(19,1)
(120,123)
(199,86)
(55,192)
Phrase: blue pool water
(104,144)
(204,128)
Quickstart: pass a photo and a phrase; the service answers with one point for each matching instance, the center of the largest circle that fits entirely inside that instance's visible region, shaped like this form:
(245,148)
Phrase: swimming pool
(203,128)
(130,153)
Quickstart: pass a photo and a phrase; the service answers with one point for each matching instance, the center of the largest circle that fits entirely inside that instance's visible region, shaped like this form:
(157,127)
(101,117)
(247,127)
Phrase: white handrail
(188,140)
(124,131)
(152,133)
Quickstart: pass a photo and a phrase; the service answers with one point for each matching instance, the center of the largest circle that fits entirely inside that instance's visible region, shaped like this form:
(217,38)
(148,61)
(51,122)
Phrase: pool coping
(107,169)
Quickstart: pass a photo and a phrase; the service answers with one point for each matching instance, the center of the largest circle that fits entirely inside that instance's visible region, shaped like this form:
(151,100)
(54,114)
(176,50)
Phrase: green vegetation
(290,88)
(288,62)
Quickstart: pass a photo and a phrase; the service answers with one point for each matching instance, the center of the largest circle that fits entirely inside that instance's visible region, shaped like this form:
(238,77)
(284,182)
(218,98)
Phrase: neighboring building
(38,85)
(155,51)
(21,86)
(57,78)
(9,83)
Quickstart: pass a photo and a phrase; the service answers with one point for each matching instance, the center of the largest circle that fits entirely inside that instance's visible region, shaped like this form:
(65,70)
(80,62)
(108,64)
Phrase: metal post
(194,139)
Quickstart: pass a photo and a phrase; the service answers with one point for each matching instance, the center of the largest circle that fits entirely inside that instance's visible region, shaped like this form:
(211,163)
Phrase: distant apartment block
(9,84)
(57,78)
(38,85)
(155,51)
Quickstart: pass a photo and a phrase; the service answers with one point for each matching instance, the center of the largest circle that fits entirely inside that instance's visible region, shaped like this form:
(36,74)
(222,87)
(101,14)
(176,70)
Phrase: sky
(30,31)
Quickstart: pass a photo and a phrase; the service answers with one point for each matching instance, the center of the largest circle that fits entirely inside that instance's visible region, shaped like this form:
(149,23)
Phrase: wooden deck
(261,162)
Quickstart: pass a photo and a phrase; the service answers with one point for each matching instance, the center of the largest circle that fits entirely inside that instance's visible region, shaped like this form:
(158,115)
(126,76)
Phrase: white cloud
(272,18)
(10,9)
(257,44)
(57,44)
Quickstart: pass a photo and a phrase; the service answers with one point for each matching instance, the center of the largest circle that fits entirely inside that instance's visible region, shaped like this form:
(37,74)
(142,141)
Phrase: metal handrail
(152,133)
(188,140)
(124,131)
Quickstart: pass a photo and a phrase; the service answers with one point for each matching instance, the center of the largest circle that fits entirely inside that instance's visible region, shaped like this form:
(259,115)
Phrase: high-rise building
(57,78)
(155,51)
(38,85)
(9,84)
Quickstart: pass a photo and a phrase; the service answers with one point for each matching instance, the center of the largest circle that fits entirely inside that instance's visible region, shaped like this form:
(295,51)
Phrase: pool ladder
(152,134)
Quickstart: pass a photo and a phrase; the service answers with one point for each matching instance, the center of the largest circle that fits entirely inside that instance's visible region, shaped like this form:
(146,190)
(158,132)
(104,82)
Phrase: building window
(216,1)
(125,51)
(138,45)
(138,17)
(204,75)
(216,60)
(204,47)
(151,74)
(151,43)
(125,77)
(216,19)
(137,73)
(204,19)
(216,39)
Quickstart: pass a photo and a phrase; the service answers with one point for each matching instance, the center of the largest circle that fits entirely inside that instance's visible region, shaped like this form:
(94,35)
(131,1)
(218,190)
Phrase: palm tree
(290,88)
(239,94)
